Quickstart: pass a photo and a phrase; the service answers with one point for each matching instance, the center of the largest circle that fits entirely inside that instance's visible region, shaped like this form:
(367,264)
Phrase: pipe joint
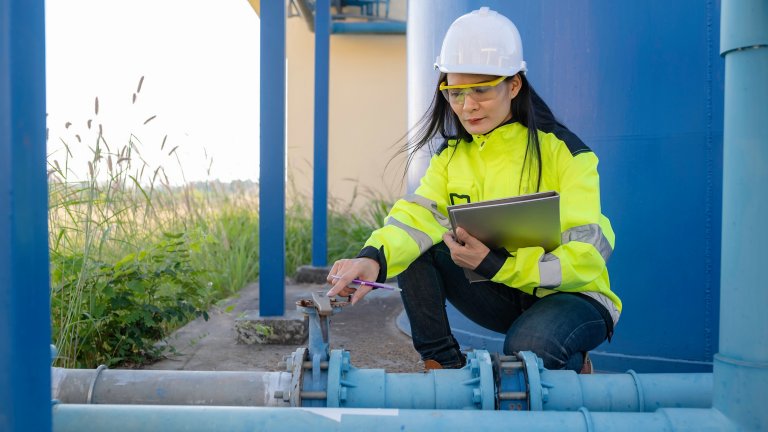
(639,387)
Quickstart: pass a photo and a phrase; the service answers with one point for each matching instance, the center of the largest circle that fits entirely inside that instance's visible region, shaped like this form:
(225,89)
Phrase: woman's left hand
(466,251)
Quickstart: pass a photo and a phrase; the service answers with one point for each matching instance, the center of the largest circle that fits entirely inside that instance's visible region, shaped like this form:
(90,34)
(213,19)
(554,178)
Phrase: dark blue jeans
(559,328)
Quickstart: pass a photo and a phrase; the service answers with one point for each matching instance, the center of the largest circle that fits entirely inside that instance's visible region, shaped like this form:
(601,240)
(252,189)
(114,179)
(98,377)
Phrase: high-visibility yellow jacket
(490,167)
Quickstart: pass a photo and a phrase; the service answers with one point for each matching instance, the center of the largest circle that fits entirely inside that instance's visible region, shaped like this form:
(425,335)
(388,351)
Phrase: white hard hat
(482,42)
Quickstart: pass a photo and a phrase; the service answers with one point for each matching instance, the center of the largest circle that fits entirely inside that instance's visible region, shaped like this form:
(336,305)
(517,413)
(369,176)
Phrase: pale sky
(200,62)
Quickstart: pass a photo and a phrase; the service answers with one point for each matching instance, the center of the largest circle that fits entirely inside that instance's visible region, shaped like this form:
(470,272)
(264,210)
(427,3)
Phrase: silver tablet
(511,223)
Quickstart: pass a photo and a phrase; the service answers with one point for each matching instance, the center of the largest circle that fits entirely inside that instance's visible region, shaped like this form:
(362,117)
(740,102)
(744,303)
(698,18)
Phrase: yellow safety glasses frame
(480,92)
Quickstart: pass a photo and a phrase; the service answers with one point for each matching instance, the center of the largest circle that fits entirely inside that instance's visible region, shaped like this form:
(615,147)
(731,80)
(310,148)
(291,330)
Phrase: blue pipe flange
(533,367)
(333,398)
(513,394)
(481,368)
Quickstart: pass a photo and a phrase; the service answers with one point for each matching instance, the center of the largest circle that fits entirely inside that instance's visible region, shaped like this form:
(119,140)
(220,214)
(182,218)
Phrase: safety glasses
(480,92)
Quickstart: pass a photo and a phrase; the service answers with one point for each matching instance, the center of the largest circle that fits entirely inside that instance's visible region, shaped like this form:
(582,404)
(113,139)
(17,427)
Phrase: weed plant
(133,257)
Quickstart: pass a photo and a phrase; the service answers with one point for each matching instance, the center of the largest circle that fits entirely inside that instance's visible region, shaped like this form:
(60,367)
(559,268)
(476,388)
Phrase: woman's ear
(515,84)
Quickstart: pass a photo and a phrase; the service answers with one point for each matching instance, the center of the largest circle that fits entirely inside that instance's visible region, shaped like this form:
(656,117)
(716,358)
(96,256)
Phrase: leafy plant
(132,303)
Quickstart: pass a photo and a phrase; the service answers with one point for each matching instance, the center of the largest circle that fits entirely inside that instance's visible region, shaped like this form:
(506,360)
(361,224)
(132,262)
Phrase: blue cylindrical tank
(642,84)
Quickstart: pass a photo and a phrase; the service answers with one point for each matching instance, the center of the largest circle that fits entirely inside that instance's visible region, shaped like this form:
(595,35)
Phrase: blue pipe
(628,392)
(119,418)
(25,329)
(374,27)
(741,365)
(522,385)
(320,196)
(506,382)
(469,388)
(272,160)
(319,381)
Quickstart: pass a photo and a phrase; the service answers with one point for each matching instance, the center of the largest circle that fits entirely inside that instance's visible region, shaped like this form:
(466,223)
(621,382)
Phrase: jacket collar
(484,137)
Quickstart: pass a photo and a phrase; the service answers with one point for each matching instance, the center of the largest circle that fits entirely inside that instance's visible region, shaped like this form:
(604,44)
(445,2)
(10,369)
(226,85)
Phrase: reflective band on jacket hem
(429,205)
(550,273)
(606,302)
(591,234)
(421,239)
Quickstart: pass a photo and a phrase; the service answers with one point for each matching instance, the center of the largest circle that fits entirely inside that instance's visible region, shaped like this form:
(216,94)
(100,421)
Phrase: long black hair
(527,108)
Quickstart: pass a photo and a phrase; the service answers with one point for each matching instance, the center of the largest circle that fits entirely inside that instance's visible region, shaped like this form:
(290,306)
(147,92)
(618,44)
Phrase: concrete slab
(367,330)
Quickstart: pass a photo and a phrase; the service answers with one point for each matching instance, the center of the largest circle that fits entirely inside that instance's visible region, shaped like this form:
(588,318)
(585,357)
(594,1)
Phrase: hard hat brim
(481,69)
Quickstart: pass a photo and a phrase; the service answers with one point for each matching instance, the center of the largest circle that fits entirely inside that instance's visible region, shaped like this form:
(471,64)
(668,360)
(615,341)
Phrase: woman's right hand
(365,269)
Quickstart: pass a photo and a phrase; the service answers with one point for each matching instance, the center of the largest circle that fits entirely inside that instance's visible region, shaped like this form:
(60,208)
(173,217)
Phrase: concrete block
(308,274)
(290,329)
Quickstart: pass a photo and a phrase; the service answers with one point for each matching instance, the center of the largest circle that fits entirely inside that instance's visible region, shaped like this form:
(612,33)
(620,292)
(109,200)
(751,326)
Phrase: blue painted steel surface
(317,344)
(272,157)
(117,418)
(320,185)
(741,365)
(25,329)
(641,83)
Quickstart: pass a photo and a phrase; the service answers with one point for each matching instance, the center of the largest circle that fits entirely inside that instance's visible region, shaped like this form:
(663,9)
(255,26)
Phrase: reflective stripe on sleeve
(429,205)
(591,234)
(421,238)
(550,273)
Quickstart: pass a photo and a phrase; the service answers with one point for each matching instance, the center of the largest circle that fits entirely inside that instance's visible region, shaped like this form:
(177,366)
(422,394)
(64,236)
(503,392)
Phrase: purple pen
(372,284)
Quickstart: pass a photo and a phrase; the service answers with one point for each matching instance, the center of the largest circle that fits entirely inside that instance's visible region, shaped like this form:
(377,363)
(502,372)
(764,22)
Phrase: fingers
(334,271)
(450,241)
(360,293)
(464,237)
(340,286)
(344,272)
(341,276)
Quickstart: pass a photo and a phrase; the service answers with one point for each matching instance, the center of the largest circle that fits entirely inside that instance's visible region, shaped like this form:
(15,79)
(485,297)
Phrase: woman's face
(480,117)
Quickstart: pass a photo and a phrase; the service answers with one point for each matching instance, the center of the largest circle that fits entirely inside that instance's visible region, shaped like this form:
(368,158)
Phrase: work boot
(433,364)
(587,368)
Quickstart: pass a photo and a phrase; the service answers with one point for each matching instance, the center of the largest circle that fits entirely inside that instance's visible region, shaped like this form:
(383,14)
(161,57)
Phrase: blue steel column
(272,156)
(25,324)
(741,365)
(320,193)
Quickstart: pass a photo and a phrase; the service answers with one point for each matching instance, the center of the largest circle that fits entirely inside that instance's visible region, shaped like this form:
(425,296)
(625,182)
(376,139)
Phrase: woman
(501,140)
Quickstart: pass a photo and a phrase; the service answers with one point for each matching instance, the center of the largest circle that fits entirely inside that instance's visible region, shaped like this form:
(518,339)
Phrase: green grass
(133,257)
